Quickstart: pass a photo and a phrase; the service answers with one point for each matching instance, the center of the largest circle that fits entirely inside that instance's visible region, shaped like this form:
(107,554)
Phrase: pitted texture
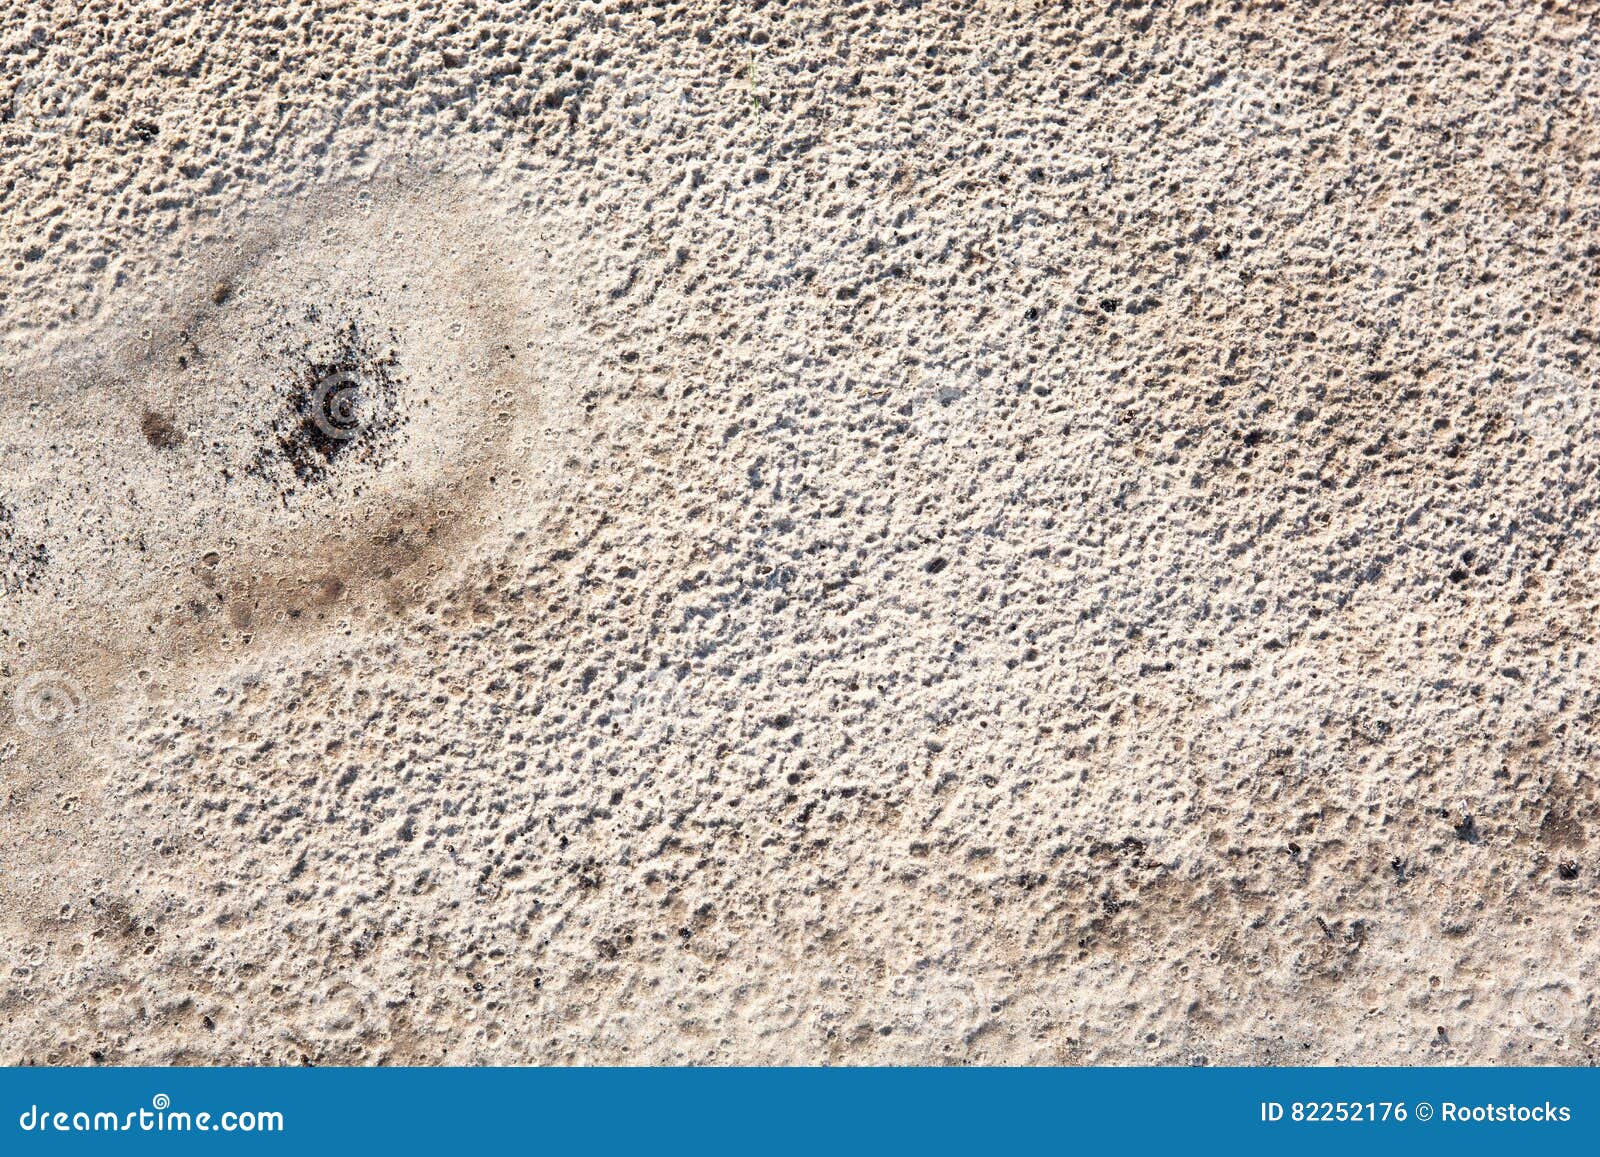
(981,533)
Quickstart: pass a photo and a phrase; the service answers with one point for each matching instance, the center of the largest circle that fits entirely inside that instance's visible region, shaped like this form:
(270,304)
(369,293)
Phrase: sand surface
(1002,533)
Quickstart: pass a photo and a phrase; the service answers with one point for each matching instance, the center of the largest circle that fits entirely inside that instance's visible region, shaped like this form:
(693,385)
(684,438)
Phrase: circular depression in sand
(328,415)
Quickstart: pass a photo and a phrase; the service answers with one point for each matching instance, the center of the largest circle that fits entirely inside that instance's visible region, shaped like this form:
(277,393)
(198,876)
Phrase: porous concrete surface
(952,533)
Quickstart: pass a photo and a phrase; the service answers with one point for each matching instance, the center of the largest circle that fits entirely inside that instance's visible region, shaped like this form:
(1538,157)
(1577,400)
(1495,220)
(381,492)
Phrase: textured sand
(973,533)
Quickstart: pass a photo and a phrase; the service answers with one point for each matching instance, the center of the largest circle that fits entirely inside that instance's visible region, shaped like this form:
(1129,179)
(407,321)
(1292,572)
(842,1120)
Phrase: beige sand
(981,533)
